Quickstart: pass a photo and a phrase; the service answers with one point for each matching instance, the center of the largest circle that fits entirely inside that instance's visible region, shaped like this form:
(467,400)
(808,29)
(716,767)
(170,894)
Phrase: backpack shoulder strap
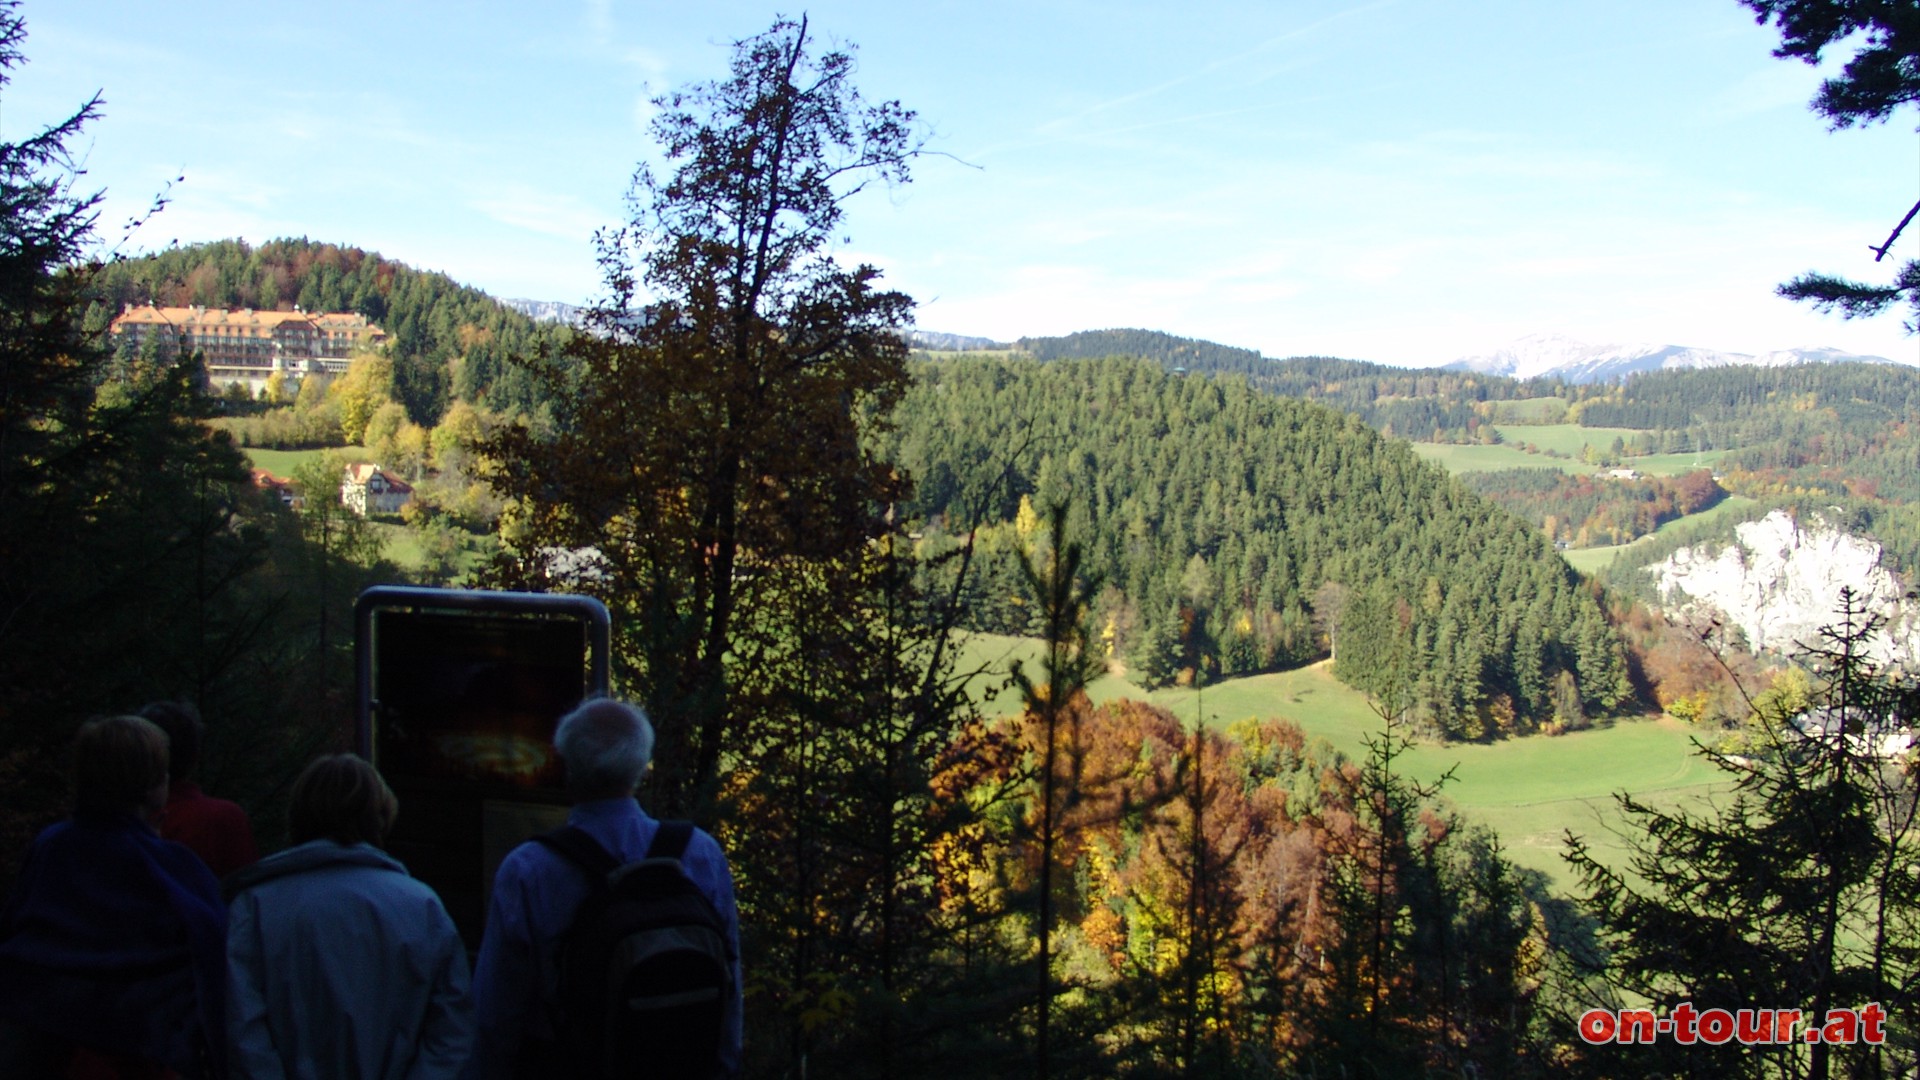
(670,842)
(573,843)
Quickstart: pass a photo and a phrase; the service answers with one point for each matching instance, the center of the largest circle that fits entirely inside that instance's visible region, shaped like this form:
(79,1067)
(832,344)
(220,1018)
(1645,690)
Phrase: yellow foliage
(1026,522)
(367,385)
(1106,931)
(1691,707)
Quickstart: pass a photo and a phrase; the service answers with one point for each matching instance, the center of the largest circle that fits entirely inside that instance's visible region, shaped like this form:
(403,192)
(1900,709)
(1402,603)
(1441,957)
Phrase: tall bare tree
(706,463)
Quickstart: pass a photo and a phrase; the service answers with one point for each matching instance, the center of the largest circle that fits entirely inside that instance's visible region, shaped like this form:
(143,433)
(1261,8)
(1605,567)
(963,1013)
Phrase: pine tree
(131,544)
(1064,595)
(1797,890)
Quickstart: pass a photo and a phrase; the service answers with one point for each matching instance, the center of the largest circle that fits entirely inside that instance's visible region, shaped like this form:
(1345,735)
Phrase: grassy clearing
(400,545)
(1534,836)
(1508,455)
(1592,560)
(1567,439)
(281,463)
(406,548)
(1531,791)
(1527,411)
(1474,458)
(1675,464)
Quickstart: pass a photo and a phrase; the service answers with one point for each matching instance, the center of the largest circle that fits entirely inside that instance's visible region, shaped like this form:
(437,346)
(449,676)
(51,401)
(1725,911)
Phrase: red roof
(361,472)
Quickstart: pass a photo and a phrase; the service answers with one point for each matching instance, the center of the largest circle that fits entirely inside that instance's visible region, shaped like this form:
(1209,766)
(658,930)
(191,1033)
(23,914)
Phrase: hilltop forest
(1843,432)
(447,341)
(1240,532)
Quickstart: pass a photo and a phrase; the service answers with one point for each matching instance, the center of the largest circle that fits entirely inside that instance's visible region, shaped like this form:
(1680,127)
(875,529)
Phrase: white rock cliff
(1780,583)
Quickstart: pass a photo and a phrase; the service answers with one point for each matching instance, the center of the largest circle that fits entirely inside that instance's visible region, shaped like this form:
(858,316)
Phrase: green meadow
(1567,439)
(1676,464)
(1540,410)
(1592,560)
(1531,791)
(1459,458)
(281,463)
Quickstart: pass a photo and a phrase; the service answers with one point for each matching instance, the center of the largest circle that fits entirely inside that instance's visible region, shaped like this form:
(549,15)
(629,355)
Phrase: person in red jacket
(214,829)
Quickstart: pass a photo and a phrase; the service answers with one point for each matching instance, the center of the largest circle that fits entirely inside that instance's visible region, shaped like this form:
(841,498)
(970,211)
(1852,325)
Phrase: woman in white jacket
(340,964)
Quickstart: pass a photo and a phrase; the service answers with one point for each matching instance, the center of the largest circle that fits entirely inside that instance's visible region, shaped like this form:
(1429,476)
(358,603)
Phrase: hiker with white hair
(617,899)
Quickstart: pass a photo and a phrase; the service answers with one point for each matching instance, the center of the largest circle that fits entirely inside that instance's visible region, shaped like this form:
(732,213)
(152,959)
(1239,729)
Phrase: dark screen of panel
(473,697)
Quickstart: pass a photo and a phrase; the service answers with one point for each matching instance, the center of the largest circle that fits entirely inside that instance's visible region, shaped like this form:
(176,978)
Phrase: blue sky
(1404,181)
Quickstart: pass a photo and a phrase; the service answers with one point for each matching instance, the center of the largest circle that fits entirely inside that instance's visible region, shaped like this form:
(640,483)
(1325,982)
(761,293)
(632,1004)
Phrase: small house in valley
(369,489)
(277,487)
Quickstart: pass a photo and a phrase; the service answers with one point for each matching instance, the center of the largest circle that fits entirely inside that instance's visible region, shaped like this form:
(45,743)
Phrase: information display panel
(472,697)
(458,693)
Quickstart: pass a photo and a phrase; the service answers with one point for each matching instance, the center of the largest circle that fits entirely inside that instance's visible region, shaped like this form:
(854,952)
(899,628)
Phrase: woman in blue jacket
(340,964)
(112,958)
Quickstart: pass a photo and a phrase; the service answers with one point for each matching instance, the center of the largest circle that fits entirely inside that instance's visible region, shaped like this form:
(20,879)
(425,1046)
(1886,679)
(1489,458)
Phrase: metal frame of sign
(453,833)
(416,598)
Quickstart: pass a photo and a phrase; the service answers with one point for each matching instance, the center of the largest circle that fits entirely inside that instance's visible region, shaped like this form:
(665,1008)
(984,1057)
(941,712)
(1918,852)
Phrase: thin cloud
(524,207)
(1222,64)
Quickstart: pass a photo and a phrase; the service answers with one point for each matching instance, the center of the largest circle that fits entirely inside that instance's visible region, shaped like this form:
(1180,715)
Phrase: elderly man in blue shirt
(606,747)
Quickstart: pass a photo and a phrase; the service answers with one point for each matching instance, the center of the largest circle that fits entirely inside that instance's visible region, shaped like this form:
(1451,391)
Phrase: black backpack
(644,972)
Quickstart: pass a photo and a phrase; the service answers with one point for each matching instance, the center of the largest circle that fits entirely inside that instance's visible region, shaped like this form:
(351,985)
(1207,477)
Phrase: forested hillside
(1240,531)
(1444,406)
(1843,431)
(1830,429)
(447,340)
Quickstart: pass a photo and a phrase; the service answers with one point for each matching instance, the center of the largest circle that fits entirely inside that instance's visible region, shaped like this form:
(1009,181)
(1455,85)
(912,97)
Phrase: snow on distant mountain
(546,310)
(934,339)
(1554,356)
(555,311)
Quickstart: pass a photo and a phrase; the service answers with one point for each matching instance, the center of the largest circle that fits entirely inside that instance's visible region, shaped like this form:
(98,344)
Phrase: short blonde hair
(342,798)
(117,762)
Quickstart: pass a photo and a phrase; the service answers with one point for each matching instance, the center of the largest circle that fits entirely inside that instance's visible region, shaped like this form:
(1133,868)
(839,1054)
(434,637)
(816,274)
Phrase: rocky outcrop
(1780,583)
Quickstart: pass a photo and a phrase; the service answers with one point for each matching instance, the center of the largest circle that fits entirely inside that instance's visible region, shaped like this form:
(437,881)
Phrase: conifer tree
(1798,889)
(1064,596)
(1881,77)
(129,537)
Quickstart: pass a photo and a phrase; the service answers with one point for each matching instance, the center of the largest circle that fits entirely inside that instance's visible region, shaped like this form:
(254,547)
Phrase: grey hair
(606,745)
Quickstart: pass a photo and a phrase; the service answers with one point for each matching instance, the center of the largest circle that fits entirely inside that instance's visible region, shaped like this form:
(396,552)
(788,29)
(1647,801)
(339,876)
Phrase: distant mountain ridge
(1537,356)
(935,341)
(555,311)
(546,310)
(1554,356)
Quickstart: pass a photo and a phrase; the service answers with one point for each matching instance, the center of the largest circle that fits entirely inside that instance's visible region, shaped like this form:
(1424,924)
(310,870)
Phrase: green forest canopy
(1240,531)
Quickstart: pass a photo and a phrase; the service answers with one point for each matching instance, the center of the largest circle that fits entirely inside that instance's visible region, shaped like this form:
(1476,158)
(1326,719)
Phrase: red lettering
(1872,1017)
(1597,1025)
(1756,1026)
(1638,1026)
(1842,1027)
(1683,1021)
